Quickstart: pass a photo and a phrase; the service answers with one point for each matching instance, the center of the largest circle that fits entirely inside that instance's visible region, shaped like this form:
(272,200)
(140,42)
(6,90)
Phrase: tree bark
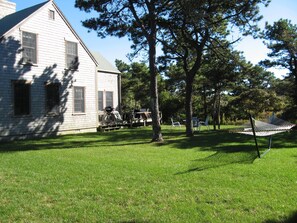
(188,105)
(219,109)
(215,110)
(156,124)
(204,102)
(295,85)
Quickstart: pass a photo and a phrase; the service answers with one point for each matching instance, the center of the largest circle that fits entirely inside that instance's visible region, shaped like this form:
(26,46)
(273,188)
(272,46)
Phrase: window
(79,99)
(109,99)
(100,100)
(71,56)
(21,93)
(52,91)
(51,15)
(29,47)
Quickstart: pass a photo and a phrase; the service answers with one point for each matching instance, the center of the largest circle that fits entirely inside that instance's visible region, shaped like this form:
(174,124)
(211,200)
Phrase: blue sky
(114,48)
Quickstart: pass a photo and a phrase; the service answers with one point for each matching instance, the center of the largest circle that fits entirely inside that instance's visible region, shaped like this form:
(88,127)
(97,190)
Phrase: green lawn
(120,176)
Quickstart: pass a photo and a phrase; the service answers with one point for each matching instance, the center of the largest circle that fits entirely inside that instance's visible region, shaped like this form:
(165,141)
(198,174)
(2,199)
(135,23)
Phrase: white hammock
(259,128)
(266,129)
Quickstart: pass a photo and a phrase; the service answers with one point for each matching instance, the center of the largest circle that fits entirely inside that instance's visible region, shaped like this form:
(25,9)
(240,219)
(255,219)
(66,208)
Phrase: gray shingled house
(49,80)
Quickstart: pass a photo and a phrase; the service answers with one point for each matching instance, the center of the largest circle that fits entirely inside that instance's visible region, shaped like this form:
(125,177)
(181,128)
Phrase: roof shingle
(10,21)
(104,64)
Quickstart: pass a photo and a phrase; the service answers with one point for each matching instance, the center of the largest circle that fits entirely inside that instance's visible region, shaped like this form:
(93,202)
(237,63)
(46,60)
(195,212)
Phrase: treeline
(227,88)
(216,80)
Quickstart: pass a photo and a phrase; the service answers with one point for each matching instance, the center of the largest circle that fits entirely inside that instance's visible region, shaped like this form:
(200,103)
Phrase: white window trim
(104,99)
(65,53)
(22,45)
(51,15)
(73,103)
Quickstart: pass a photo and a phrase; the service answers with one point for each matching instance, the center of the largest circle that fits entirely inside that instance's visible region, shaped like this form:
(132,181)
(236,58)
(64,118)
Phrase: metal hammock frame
(259,128)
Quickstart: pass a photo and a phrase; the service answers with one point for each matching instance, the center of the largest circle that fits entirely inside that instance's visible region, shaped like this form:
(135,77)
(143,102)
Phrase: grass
(120,177)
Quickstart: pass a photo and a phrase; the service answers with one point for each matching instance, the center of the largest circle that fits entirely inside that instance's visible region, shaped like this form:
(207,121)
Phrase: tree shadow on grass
(225,157)
(286,139)
(220,142)
(208,141)
(129,135)
(86,140)
(291,219)
(134,221)
(230,148)
(231,142)
(44,145)
(83,140)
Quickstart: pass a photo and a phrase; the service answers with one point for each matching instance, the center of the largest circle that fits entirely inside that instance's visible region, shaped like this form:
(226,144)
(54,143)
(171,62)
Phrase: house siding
(50,67)
(109,82)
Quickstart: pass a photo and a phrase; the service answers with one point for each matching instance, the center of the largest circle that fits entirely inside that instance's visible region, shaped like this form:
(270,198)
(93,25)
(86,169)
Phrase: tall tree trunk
(219,109)
(215,111)
(157,134)
(204,102)
(294,72)
(295,95)
(295,87)
(156,125)
(188,105)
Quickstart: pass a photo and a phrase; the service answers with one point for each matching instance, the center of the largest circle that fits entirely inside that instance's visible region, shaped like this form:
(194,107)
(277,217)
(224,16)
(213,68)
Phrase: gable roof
(104,64)
(10,21)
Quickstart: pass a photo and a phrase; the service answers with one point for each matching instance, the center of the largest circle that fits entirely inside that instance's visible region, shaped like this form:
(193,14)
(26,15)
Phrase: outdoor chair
(173,123)
(204,123)
(195,121)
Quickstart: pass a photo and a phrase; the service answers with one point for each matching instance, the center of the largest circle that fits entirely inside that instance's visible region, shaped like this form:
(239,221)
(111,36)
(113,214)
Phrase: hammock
(260,128)
(266,129)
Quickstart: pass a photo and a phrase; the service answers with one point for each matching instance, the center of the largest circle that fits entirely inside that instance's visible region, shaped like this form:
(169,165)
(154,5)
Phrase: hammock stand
(274,126)
(255,138)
